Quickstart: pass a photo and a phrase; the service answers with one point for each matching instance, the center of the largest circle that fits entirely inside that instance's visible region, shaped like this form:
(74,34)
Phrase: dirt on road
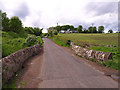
(31,71)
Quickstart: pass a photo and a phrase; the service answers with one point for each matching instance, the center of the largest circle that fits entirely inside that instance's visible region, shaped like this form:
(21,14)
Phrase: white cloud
(46,13)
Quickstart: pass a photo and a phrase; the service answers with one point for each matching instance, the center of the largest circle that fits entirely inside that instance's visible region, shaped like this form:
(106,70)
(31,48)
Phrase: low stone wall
(96,55)
(12,63)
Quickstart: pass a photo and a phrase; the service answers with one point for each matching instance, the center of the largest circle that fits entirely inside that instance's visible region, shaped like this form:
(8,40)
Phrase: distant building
(62,31)
(68,31)
(75,31)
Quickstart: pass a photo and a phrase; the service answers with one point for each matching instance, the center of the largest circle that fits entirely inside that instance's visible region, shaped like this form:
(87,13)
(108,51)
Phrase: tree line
(80,29)
(14,24)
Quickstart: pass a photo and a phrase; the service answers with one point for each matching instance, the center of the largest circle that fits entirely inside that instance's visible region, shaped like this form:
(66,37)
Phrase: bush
(44,34)
(55,32)
(11,45)
(50,33)
(68,42)
(31,40)
(39,39)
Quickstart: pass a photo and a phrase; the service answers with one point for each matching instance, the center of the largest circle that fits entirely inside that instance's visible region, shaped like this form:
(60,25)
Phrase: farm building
(62,31)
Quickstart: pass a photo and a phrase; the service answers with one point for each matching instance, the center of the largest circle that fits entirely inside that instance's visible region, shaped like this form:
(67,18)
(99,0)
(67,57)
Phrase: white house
(62,31)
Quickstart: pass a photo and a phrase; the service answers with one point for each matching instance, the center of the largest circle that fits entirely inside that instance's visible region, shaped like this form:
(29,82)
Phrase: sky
(47,13)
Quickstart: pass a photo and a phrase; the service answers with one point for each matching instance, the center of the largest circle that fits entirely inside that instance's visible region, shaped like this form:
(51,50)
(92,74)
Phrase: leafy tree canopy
(110,31)
(79,29)
(15,24)
(100,29)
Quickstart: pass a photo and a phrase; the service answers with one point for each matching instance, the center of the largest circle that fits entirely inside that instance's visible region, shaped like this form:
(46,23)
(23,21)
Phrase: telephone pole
(92,27)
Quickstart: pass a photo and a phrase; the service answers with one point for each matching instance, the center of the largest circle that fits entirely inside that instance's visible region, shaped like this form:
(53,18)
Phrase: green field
(95,41)
(91,39)
(98,42)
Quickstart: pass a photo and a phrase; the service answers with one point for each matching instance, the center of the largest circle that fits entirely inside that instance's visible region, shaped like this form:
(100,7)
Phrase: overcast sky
(46,13)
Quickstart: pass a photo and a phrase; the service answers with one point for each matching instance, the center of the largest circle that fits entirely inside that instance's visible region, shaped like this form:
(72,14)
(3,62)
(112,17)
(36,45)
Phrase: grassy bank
(12,42)
(60,42)
(98,42)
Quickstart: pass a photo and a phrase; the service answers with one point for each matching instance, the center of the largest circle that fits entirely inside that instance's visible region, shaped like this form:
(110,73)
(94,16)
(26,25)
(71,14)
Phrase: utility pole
(57,26)
(92,27)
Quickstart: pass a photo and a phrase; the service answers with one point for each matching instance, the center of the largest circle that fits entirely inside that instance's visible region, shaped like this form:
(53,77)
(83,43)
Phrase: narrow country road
(62,70)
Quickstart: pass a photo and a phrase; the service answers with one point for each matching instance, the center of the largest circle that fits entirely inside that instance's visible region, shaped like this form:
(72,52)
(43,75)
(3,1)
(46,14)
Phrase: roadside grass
(98,42)
(105,49)
(60,42)
(116,56)
(12,42)
(14,83)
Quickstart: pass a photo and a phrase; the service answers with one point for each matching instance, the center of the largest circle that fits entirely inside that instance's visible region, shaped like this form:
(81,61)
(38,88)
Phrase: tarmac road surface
(60,69)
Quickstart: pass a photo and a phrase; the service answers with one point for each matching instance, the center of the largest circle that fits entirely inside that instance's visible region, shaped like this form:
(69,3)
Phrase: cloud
(46,13)
(101,8)
(1,6)
(22,11)
(103,13)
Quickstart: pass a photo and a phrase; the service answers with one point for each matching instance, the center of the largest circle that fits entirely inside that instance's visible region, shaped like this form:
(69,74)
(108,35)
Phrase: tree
(90,29)
(94,30)
(75,29)
(100,29)
(110,31)
(15,24)
(37,31)
(50,33)
(28,30)
(5,21)
(5,24)
(71,27)
(65,27)
(58,28)
(79,29)
(55,32)
(85,31)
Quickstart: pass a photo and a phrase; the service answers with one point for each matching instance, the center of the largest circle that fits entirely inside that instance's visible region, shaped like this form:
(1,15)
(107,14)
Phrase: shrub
(55,32)
(39,39)
(44,34)
(11,45)
(68,42)
(30,41)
